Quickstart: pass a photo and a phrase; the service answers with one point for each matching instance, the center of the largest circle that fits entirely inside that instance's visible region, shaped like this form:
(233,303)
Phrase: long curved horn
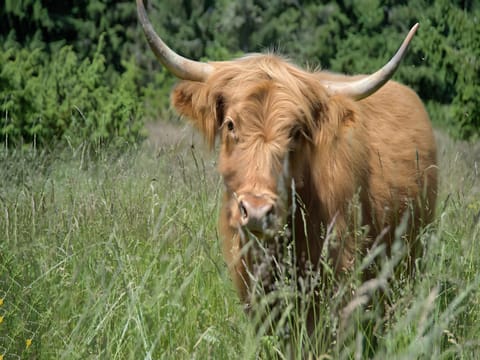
(181,67)
(362,88)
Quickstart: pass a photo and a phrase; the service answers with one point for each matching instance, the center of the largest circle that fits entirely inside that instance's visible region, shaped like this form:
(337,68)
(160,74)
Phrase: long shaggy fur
(380,151)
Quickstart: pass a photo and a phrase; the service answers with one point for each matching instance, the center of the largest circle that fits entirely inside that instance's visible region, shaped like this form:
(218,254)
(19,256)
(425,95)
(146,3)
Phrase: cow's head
(265,112)
(268,115)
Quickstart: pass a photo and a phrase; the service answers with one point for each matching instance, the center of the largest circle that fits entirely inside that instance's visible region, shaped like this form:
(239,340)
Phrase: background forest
(108,242)
(81,70)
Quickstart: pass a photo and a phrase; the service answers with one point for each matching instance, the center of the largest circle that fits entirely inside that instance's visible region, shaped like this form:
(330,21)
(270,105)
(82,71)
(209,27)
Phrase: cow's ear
(193,100)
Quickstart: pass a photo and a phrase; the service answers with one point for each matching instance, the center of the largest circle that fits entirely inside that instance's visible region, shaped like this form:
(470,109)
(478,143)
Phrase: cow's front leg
(235,257)
(342,246)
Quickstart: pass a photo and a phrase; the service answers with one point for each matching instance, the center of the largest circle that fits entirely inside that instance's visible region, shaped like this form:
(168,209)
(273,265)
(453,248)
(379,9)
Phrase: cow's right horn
(181,67)
(366,86)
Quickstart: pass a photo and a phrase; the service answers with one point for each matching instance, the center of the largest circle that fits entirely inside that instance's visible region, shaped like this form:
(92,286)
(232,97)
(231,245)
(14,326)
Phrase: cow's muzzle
(257,213)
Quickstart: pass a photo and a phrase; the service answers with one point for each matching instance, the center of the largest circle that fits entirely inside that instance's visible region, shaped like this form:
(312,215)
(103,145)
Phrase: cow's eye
(230,125)
(296,133)
(299,133)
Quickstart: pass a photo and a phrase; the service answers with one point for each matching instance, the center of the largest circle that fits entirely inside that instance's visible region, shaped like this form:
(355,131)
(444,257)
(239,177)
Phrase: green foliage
(442,64)
(79,23)
(452,40)
(118,256)
(47,98)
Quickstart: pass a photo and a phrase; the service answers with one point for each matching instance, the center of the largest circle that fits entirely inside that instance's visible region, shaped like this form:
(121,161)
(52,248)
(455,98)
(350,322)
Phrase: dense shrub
(452,42)
(51,97)
(442,64)
(79,23)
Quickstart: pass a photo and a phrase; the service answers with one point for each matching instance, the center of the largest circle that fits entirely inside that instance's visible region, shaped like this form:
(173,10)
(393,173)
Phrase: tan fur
(380,150)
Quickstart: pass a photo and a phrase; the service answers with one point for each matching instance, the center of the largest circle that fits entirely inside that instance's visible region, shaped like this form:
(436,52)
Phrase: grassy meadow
(116,256)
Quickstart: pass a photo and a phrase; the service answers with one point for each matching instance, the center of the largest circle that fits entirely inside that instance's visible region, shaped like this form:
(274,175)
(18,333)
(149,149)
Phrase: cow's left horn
(181,67)
(360,89)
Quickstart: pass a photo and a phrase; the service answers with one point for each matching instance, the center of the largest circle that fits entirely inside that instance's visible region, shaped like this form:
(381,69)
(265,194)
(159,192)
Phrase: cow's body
(380,149)
(339,140)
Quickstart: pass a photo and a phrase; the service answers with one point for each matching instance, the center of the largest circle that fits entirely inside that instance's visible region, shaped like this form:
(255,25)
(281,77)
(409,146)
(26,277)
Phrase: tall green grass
(117,257)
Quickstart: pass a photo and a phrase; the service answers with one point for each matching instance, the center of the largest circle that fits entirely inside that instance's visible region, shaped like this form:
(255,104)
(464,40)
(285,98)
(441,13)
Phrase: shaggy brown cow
(330,139)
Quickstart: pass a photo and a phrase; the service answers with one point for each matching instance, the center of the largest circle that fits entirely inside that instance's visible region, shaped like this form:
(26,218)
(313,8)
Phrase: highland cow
(311,143)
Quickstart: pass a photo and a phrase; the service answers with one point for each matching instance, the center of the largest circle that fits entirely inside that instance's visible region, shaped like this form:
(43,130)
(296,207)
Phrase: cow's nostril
(270,212)
(243,210)
(256,212)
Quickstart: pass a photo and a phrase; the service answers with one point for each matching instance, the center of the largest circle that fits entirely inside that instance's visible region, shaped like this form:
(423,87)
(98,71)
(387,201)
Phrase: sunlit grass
(117,256)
